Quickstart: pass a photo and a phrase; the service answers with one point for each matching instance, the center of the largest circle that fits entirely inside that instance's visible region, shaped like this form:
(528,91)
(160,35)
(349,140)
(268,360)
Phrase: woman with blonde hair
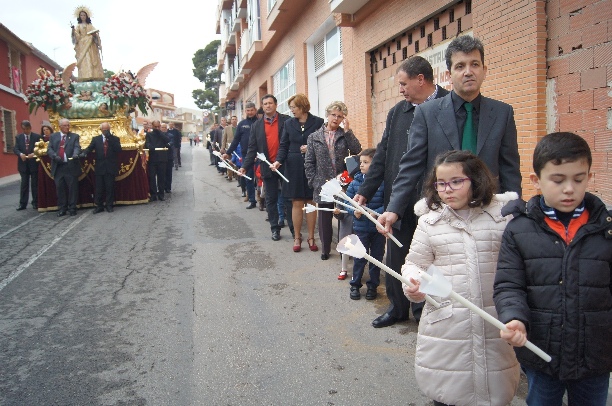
(325,153)
(291,153)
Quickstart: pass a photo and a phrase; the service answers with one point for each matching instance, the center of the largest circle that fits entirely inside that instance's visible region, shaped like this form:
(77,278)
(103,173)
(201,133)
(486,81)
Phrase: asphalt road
(186,302)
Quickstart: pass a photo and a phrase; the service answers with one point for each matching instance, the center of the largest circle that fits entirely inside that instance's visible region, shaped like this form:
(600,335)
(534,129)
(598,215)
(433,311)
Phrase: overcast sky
(134,33)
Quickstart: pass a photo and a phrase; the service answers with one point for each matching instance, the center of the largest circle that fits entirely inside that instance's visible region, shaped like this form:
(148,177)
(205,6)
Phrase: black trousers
(67,186)
(271,188)
(396,256)
(169,167)
(324,219)
(28,178)
(105,190)
(157,178)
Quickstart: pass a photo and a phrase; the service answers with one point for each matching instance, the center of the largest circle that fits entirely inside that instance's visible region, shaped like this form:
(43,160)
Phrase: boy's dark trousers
(374,243)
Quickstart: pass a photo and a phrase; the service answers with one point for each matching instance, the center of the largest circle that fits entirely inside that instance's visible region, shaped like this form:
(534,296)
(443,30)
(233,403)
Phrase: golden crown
(78,10)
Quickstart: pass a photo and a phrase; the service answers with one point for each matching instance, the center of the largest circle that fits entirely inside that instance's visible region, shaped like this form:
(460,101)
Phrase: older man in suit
(464,119)
(415,77)
(64,150)
(265,138)
(227,139)
(27,165)
(107,147)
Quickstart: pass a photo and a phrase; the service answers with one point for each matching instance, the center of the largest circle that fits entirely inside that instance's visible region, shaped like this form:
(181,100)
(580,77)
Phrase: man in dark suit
(445,124)
(265,138)
(27,165)
(157,144)
(170,163)
(177,138)
(107,147)
(64,150)
(243,132)
(415,77)
(217,140)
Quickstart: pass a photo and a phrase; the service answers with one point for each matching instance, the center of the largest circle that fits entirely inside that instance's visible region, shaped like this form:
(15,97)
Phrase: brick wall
(579,58)
(291,45)
(531,47)
(514,34)
(376,24)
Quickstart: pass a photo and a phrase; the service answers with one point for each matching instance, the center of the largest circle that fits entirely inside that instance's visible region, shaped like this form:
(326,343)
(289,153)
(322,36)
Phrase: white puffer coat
(460,358)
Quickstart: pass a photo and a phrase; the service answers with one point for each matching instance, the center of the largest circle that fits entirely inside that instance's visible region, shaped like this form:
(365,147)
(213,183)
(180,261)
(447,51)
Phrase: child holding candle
(460,358)
(554,284)
(372,240)
(345,223)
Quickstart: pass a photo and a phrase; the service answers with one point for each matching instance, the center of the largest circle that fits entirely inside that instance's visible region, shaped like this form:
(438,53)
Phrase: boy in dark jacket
(372,240)
(553,281)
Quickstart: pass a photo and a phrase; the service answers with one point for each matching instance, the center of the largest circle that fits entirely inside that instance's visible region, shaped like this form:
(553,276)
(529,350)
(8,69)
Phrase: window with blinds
(328,50)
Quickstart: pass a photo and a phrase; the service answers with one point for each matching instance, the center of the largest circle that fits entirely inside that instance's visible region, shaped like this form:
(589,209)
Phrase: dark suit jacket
(176,137)
(105,164)
(157,139)
(434,131)
(72,148)
(258,143)
(20,148)
(389,152)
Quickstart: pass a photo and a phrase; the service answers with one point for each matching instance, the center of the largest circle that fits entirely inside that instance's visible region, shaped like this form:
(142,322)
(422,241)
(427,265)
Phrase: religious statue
(88,47)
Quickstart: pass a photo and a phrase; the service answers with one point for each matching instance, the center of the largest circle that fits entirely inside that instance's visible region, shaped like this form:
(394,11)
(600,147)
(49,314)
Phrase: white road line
(20,225)
(44,249)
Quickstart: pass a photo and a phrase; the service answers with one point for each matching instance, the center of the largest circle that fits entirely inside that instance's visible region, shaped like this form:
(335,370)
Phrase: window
(328,50)
(284,86)
(253,22)
(15,70)
(9,129)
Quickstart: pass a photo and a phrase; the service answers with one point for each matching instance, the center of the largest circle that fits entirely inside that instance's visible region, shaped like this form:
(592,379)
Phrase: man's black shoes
(251,205)
(275,235)
(385,320)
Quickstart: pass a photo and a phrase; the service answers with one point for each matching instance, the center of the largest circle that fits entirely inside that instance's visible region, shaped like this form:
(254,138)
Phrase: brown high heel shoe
(297,244)
(313,247)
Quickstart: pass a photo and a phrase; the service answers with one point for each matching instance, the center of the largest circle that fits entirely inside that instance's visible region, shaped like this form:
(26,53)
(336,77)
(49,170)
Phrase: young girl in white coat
(460,359)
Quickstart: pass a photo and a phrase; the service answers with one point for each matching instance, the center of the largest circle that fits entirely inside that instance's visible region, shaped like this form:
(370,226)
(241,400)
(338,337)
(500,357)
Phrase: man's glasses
(337,117)
(454,184)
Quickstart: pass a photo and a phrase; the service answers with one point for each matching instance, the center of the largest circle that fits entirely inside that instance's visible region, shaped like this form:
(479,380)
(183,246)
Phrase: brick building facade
(19,61)
(551,60)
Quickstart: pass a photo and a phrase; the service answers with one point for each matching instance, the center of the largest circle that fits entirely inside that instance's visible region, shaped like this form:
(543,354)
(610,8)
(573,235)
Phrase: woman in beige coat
(460,359)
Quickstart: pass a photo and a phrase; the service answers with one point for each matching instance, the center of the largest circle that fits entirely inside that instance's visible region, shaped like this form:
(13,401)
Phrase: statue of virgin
(88,47)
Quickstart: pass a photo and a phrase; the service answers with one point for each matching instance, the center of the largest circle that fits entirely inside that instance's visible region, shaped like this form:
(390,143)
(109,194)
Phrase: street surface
(186,302)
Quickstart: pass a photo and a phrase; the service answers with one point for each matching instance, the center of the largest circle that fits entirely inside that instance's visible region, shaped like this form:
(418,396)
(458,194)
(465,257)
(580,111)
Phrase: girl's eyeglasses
(454,184)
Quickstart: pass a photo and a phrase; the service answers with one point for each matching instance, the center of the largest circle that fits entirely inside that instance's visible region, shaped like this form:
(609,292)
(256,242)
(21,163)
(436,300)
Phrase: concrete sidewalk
(5,180)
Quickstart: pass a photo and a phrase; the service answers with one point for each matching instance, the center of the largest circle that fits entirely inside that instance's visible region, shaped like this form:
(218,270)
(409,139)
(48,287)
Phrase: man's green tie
(469,133)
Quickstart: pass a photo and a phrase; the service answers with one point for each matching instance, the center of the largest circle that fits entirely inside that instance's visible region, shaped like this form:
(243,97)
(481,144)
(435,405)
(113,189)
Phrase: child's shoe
(355,295)
(342,275)
(371,294)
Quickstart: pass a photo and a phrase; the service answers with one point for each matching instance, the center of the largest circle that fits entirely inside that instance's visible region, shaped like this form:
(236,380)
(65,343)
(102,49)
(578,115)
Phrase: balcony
(222,93)
(284,14)
(252,47)
(220,59)
(237,27)
(346,6)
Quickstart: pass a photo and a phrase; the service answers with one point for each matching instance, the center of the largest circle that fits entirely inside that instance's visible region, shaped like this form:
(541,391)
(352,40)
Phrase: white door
(330,87)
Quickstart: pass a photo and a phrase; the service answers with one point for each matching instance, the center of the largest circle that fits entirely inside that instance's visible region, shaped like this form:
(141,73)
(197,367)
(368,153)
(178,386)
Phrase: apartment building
(551,60)
(19,61)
